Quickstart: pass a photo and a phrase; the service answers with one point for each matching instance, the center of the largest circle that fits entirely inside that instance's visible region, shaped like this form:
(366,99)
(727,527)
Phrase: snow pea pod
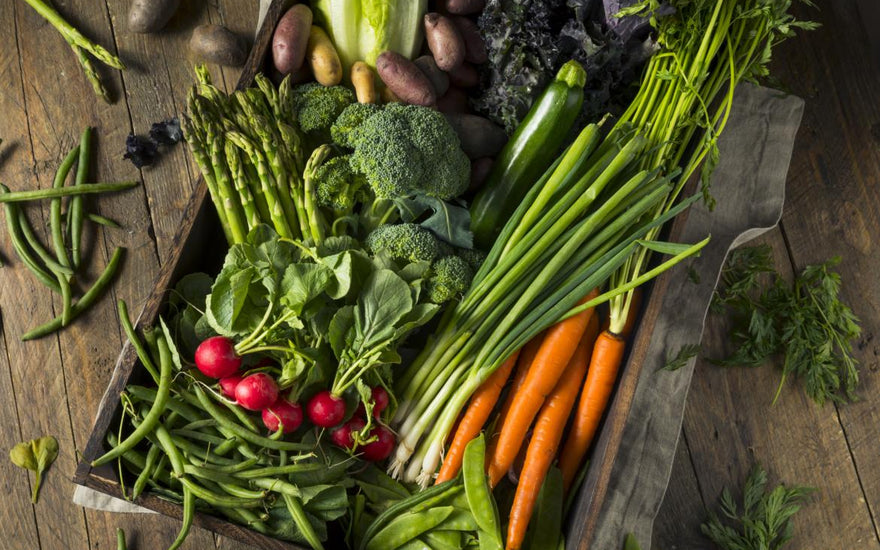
(407,527)
(476,487)
(445,489)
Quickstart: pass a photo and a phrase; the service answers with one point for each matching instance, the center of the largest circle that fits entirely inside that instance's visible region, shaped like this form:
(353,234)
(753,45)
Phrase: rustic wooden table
(53,385)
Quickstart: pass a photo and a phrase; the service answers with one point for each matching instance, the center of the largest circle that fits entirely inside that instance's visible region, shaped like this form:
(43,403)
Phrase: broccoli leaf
(450,223)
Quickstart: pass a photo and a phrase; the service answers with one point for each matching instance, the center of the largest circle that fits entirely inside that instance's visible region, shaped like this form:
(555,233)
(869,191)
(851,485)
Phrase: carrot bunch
(569,359)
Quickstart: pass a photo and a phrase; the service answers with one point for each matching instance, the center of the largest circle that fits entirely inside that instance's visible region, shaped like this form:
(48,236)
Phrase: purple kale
(167,132)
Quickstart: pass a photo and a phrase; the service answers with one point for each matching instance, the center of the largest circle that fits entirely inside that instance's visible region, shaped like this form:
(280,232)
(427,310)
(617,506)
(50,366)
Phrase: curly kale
(528,41)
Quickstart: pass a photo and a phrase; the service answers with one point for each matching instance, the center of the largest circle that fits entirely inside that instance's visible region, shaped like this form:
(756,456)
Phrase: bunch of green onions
(593,217)
(251,159)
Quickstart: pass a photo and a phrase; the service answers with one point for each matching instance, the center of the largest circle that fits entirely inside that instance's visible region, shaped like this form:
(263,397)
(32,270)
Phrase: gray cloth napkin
(749,186)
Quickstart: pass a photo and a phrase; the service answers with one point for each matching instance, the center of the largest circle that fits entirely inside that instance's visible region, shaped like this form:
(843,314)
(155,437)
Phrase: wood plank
(833,198)
(677,525)
(731,424)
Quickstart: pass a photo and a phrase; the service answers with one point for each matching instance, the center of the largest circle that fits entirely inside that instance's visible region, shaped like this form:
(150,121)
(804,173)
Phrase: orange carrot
(526,356)
(604,364)
(556,351)
(545,439)
(478,411)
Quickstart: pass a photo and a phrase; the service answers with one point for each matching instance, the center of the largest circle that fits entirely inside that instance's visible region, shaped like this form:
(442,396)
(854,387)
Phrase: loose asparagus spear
(80,45)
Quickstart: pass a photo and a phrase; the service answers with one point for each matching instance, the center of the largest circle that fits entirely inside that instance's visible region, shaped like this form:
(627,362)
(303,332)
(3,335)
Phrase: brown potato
(464,7)
(323,58)
(474,47)
(480,137)
(444,41)
(291,38)
(465,76)
(405,79)
(364,83)
(438,78)
(217,44)
(453,101)
(145,16)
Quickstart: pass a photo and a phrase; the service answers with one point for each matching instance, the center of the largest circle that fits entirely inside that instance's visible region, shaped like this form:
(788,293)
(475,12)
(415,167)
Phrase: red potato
(464,7)
(291,38)
(474,47)
(405,79)
(439,79)
(453,101)
(480,137)
(465,76)
(444,41)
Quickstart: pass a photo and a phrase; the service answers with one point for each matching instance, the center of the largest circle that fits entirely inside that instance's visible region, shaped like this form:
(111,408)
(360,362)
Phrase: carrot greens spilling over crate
(364,314)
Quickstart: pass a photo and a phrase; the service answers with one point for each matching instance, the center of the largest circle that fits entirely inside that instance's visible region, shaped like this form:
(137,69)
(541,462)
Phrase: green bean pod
(189,513)
(151,420)
(153,456)
(294,506)
(75,215)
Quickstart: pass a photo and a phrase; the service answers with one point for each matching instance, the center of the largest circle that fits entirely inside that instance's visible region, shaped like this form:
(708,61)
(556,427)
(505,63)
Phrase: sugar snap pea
(442,540)
(476,487)
(151,420)
(548,516)
(401,506)
(407,527)
(415,544)
(459,520)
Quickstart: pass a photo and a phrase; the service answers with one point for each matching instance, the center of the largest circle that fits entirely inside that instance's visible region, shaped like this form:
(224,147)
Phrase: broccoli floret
(450,279)
(317,107)
(404,150)
(473,257)
(338,186)
(350,119)
(406,241)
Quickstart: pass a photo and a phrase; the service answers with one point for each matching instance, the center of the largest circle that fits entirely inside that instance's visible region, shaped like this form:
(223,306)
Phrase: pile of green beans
(183,444)
(459,513)
(56,268)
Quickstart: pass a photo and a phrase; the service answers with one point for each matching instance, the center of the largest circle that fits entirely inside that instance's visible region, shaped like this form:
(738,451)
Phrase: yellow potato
(364,83)
(323,58)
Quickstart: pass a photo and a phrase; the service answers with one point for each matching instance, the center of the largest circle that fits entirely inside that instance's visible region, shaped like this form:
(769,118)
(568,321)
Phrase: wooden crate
(199,246)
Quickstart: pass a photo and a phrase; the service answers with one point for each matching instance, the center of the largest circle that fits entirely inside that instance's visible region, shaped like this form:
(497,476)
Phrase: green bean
(171,450)
(407,527)
(47,258)
(201,453)
(226,482)
(220,501)
(165,492)
(199,424)
(246,517)
(189,513)
(159,471)
(75,216)
(151,420)
(120,539)
(57,230)
(153,456)
(230,469)
(401,506)
(101,220)
(84,303)
(225,422)
(136,343)
(199,436)
(294,506)
(276,485)
(244,418)
(72,191)
(21,247)
(175,405)
(479,495)
(226,446)
(280,470)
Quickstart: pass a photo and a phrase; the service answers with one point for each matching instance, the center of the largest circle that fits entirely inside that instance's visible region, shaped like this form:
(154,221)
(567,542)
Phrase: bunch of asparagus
(80,45)
(57,270)
(251,159)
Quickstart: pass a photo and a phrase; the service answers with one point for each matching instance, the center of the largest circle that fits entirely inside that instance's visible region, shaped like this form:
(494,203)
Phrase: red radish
(256,391)
(379,398)
(341,436)
(265,362)
(216,357)
(227,385)
(381,448)
(283,413)
(325,409)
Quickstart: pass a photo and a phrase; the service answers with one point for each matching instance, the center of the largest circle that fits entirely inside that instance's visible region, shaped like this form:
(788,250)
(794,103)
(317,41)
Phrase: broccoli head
(451,277)
(473,257)
(317,107)
(350,119)
(338,186)
(405,241)
(404,150)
